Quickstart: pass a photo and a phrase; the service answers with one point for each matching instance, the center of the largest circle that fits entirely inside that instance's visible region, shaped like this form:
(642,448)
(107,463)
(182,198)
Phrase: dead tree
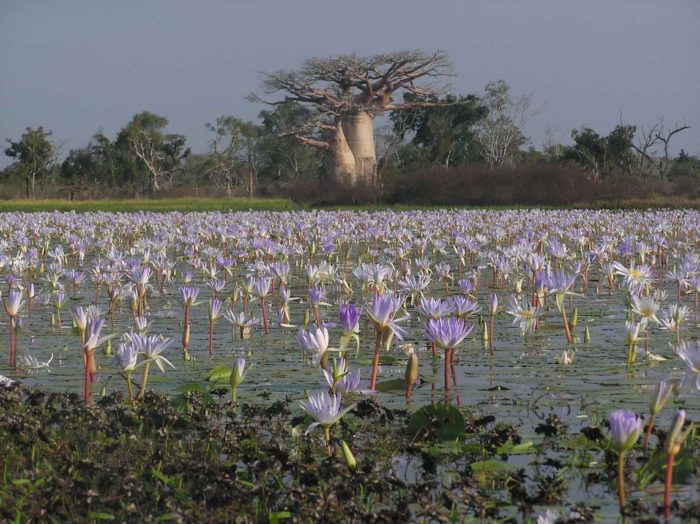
(153,159)
(347,92)
(652,148)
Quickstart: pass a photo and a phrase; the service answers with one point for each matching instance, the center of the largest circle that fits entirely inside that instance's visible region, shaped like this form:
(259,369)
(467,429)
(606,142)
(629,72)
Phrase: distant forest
(316,140)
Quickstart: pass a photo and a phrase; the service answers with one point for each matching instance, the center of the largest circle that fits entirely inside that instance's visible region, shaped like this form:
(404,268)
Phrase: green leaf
(387,360)
(191,387)
(101,516)
(524,448)
(397,384)
(161,476)
(276,516)
(221,373)
(486,471)
(491,465)
(437,422)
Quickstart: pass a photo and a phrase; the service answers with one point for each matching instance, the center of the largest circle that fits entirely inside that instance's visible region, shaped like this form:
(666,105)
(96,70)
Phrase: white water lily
(324,409)
(30,363)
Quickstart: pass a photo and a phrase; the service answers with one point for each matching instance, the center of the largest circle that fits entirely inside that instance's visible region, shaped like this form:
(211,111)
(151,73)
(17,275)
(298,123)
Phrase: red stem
(13,349)
(447,369)
(87,377)
(264,315)
(667,489)
(375,361)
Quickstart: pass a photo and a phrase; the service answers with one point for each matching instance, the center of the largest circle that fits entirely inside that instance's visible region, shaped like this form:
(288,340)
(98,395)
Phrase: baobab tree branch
(349,91)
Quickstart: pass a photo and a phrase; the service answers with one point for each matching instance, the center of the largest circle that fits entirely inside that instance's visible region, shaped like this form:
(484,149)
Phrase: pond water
(524,381)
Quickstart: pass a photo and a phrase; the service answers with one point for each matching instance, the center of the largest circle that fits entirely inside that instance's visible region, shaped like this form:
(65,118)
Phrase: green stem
(327,437)
(621,480)
(565,320)
(645,444)
(129,388)
(144,379)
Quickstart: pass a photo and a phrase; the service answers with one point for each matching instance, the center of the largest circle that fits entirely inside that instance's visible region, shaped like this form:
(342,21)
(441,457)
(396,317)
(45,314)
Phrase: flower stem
(264,316)
(327,437)
(447,369)
(648,433)
(144,379)
(87,377)
(565,320)
(13,349)
(130,389)
(621,480)
(667,488)
(375,361)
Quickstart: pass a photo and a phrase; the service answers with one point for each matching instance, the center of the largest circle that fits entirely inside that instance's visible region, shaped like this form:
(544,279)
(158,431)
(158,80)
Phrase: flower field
(518,365)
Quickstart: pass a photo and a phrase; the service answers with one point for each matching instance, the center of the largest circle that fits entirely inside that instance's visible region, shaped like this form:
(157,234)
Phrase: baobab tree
(346,93)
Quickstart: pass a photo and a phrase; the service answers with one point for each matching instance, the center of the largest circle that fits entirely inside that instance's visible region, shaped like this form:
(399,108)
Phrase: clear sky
(77,66)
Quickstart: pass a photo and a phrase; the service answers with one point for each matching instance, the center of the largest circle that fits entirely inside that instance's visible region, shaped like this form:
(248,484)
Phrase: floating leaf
(397,384)
(524,448)
(438,422)
(221,373)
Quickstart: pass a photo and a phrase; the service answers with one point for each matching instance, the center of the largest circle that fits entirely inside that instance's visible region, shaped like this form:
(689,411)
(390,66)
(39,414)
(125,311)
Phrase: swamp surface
(522,431)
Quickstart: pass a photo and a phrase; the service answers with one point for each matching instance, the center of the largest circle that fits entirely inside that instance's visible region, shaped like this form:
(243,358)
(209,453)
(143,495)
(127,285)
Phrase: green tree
(499,133)
(34,155)
(233,153)
(443,134)
(153,157)
(602,155)
(80,166)
(283,158)
(685,165)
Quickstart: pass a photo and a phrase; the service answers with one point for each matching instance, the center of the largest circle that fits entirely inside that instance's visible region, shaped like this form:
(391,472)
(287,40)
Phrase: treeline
(466,149)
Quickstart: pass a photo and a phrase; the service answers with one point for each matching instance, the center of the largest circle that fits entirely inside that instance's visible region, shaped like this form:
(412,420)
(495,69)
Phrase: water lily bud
(574,319)
(108,348)
(237,373)
(411,372)
(676,436)
(484,333)
(586,334)
(660,394)
(186,337)
(349,457)
(625,428)
(493,304)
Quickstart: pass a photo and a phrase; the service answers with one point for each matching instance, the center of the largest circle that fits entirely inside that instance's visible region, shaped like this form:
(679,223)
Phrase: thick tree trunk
(343,168)
(359,132)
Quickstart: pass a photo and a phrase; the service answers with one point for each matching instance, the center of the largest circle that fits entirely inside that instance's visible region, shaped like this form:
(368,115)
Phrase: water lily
(315,343)
(325,410)
(625,428)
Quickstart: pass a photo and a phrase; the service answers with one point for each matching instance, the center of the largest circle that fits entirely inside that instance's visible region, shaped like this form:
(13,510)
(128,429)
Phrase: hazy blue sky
(76,66)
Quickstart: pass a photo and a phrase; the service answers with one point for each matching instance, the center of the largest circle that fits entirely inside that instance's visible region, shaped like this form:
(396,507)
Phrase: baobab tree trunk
(343,166)
(359,133)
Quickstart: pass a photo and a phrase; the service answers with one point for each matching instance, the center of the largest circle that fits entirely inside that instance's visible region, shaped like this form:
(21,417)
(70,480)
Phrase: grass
(194,204)
(156,205)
